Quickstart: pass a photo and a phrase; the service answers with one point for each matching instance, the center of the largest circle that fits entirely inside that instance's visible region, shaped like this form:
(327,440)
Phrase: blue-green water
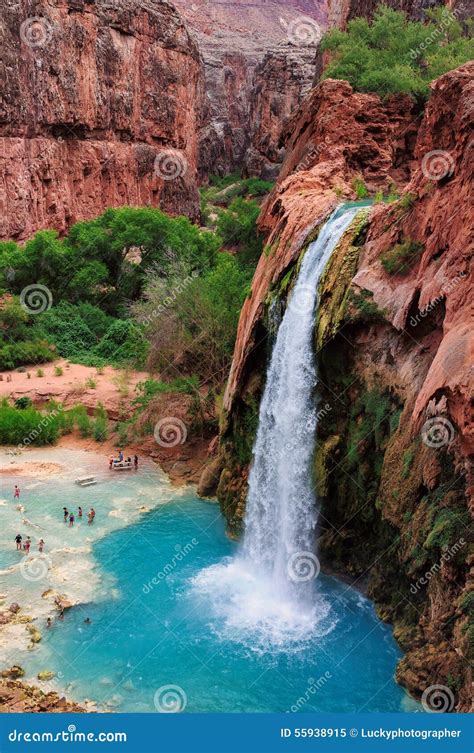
(180,631)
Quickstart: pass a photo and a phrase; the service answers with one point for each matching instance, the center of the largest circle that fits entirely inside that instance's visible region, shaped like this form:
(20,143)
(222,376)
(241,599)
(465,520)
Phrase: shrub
(392,54)
(23,402)
(238,228)
(359,188)
(58,371)
(90,383)
(27,426)
(39,373)
(100,429)
(83,422)
(401,258)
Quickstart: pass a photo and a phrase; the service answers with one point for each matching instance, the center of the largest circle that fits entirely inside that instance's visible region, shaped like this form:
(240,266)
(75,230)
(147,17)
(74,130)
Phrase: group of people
(121,459)
(69,516)
(25,545)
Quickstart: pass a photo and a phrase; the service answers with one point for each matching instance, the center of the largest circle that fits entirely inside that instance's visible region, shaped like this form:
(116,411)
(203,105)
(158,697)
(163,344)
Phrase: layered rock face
(101,105)
(259,60)
(393,462)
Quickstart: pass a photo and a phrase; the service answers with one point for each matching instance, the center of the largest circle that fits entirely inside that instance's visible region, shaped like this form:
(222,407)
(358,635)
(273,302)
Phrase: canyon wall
(101,106)
(394,338)
(259,61)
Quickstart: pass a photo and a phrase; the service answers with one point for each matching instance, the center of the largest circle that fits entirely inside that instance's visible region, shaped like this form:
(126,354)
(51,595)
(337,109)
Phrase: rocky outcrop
(259,62)
(16,697)
(101,105)
(393,463)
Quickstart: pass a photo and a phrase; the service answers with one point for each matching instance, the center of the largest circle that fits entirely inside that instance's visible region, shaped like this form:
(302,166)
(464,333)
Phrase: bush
(392,54)
(401,258)
(23,402)
(27,426)
(238,228)
(83,422)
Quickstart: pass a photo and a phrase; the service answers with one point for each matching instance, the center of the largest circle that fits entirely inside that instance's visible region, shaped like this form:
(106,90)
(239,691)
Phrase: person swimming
(88,621)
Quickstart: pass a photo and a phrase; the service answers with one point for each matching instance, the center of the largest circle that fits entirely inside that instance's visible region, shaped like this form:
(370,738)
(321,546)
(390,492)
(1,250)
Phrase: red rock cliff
(395,339)
(93,93)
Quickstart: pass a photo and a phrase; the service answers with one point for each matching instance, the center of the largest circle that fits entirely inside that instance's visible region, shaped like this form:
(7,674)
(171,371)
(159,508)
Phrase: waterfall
(281,513)
(268,588)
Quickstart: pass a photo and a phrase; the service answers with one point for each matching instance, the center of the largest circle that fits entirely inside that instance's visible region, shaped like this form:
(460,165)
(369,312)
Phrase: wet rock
(14,672)
(46,675)
(15,608)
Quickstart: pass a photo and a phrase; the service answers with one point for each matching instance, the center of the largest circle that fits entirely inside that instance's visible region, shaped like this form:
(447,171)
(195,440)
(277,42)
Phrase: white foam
(246,608)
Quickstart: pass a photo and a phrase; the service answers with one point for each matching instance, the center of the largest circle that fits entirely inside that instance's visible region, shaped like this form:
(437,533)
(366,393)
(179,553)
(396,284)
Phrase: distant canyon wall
(259,62)
(101,106)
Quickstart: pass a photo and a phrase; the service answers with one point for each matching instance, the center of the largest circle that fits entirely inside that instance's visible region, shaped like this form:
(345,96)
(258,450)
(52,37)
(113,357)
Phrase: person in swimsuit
(66,514)
(40,546)
(87,621)
(27,544)
(16,492)
(18,539)
(49,622)
(71,520)
(91,515)
(79,512)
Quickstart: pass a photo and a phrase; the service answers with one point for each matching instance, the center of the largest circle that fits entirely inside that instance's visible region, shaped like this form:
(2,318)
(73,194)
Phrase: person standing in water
(79,512)
(27,544)
(91,515)
(16,492)
(40,546)
(66,514)
(18,540)
(71,520)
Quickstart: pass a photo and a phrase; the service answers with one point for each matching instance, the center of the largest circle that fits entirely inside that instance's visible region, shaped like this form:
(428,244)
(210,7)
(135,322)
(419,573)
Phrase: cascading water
(268,588)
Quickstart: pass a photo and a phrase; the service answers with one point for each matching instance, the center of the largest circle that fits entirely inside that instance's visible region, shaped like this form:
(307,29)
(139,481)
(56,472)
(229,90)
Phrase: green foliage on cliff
(401,258)
(394,55)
